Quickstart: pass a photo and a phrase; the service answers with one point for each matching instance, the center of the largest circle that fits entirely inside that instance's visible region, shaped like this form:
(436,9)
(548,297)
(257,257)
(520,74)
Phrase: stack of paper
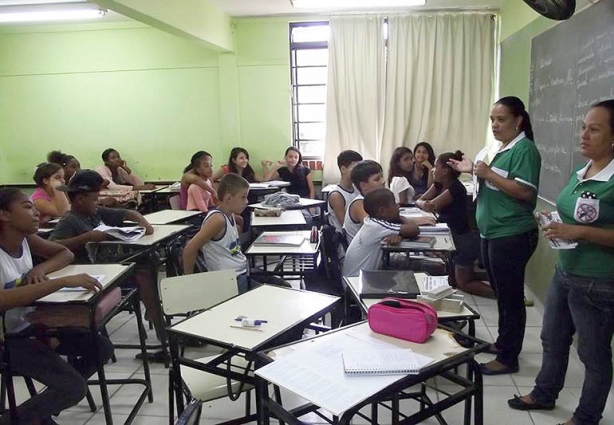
(436,287)
(127,234)
(437,229)
(383,362)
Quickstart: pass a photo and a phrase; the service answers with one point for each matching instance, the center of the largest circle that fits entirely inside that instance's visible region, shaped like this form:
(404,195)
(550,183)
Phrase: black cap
(83,181)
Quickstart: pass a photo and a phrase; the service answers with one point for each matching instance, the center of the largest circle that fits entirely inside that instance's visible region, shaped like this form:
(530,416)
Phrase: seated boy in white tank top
(344,192)
(218,237)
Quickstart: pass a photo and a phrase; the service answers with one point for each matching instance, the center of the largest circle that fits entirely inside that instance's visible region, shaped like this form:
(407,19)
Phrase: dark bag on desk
(403,319)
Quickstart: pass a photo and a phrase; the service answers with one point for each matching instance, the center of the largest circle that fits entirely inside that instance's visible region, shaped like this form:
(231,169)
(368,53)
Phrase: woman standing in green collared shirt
(581,294)
(506,200)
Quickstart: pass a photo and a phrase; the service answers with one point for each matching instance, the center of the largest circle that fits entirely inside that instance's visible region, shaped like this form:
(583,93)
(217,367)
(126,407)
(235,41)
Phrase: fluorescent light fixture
(354,4)
(29,2)
(50,12)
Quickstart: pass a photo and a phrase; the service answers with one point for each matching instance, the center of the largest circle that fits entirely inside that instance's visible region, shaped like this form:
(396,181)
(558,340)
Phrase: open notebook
(383,362)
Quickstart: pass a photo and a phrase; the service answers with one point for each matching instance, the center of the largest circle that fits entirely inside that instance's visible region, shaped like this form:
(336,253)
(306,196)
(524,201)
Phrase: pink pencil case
(403,319)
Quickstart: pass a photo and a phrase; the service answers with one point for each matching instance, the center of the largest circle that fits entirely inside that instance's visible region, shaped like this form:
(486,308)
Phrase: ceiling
(283,7)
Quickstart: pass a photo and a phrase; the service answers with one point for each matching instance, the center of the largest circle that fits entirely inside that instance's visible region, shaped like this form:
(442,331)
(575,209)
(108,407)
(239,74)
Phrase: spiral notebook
(384,362)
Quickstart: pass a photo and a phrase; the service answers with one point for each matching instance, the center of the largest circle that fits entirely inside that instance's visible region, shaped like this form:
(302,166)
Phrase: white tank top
(11,272)
(225,253)
(350,226)
(347,197)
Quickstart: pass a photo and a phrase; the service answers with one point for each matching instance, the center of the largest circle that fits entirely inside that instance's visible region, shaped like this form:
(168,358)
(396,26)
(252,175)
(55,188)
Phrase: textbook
(127,234)
(437,287)
(283,240)
(437,229)
(388,283)
(383,362)
(421,242)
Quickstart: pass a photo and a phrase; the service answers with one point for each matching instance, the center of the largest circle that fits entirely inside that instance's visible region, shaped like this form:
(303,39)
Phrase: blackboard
(572,67)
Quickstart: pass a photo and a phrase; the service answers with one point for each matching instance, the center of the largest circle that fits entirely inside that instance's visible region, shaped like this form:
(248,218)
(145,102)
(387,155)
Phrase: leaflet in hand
(555,243)
(127,234)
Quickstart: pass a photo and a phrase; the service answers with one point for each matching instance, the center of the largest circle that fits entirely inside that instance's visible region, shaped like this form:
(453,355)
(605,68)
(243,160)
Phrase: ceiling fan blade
(553,9)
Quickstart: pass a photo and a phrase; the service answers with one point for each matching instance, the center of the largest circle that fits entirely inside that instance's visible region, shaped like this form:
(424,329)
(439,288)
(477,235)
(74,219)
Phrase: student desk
(258,190)
(414,212)
(444,246)
(113,275)
(352,286)
(146,250)
(313,369)
(304,203)
(288,312)
(295,260)
(287,218)
(174,217)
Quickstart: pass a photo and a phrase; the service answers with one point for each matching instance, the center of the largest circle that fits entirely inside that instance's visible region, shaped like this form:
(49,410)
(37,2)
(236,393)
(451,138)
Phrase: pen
(253,328)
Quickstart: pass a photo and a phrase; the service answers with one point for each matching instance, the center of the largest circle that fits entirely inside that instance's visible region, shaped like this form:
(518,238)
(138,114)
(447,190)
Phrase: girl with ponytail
(197,192)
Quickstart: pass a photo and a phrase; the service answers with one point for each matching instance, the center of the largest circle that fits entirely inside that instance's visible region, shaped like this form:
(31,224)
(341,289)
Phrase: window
(309,72)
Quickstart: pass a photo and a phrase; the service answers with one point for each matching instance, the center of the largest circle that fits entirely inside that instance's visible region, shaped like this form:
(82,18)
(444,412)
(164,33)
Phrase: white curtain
(439,81)
(437,86)
(356,89)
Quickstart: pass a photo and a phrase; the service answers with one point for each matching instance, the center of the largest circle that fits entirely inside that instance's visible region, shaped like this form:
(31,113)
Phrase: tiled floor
(497,389)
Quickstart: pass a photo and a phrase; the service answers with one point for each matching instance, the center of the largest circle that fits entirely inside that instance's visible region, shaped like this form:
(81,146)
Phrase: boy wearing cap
(76,227)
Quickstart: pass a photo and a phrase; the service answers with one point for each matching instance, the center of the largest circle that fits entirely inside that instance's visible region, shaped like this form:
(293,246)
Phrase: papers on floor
(316,372)
(98,277)
(436,287)
(127,234)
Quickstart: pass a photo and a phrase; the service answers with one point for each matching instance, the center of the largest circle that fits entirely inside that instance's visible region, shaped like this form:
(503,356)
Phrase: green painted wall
(198,20)
(153,96)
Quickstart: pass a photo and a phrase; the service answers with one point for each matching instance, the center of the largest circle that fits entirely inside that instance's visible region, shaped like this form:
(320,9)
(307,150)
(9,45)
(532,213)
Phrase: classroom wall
(153,96)
(522,24)
(262,60)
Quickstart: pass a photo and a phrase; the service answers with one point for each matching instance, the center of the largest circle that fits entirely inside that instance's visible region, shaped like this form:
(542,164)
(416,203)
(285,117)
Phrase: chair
(191,415)
(175,202)
(182,295)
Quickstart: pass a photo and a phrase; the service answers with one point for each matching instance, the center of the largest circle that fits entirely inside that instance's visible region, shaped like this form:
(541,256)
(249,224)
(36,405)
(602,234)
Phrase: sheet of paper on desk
(411,212)
(277,183)
(437,229)
(316,374)
(98,277)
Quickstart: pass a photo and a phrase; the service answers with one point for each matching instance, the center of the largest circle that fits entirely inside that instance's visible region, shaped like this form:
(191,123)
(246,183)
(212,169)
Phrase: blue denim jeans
(505,260)
(584,305)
